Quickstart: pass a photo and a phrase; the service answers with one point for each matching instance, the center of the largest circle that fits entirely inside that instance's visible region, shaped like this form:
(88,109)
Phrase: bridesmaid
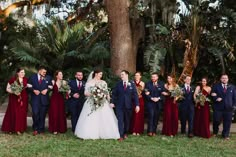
(201,126)
(170,112)
(137,123)
(15,119)
(56,113)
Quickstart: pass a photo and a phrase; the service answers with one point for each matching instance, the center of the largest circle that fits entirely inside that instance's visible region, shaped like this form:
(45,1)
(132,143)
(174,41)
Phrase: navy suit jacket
(154,91)
(46,82)
(228,98)
(188,101)
(74,89)
(125,98)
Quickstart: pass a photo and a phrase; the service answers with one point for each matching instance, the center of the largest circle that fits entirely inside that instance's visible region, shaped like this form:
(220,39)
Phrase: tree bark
(123,57)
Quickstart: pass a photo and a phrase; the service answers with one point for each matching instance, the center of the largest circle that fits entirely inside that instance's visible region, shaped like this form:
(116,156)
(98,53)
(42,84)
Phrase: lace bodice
(94,82)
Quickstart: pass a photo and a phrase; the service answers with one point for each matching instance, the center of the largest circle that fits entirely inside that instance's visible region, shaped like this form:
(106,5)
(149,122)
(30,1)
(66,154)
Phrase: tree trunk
(123,57)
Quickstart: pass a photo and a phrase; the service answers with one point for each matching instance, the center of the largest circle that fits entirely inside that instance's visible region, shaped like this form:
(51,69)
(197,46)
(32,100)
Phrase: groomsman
(39,85)
(77,98)
(224,97)
(123,96)
(154,98)
(186,107)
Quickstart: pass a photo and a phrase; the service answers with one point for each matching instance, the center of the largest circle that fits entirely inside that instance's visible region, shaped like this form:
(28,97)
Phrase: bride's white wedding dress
(101,123)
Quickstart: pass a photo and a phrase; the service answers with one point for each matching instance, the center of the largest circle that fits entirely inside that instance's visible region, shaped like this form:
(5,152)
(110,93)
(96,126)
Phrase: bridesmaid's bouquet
(64,89)
(16,87)
(99,94)
(201,99)
(176,93)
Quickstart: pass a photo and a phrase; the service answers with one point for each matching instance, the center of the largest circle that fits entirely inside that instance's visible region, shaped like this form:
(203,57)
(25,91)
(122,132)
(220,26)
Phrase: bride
(96,121)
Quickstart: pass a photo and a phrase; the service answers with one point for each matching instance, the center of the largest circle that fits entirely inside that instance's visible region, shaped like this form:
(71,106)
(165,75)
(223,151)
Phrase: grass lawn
(48,145)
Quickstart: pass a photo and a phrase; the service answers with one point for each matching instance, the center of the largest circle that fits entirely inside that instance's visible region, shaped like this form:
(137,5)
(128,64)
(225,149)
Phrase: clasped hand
(37,92)
(155,99)
(76,95)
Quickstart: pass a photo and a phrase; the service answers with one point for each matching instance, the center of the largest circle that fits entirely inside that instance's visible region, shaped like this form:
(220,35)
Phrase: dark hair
(56,73)
(224,74)
(125,71)
(138,72)
(96,71)
(155,73)
(206,78)
(41,67)
(78,71)
(187,76)
(17,71)
(201,82)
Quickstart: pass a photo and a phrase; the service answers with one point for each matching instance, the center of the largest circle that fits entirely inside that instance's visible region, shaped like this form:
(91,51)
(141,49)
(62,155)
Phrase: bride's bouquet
(99,94)
(16,87)
(64,89)
(201,99)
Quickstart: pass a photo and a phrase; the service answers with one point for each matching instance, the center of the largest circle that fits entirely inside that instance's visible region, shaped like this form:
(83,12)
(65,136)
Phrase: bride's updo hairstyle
(96,71)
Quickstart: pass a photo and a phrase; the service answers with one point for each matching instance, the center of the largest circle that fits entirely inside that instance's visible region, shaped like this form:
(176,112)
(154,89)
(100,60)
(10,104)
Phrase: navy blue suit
(39,102)
(123,100)
(224,108)
(154,108)
(75,105)
(186,109)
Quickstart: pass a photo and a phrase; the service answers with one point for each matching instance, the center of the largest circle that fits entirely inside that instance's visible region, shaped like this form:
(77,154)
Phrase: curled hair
(173,80)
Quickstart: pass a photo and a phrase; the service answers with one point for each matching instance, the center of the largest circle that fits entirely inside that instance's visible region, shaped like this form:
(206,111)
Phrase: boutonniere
(128,84)
(45,79)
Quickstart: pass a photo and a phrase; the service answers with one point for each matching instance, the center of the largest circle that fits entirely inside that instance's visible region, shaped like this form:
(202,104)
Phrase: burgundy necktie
(40,80)
(188,89)
(225,89)
(79,85)
(125,86)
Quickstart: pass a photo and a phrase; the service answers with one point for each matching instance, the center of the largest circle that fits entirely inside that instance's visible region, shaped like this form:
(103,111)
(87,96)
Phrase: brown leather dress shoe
(121,139)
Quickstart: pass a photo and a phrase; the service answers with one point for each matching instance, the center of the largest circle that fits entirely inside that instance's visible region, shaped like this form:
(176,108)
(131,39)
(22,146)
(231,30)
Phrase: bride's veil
(90,77)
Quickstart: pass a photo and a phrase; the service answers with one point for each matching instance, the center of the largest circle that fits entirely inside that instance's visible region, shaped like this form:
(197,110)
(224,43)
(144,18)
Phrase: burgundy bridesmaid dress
(15,119)
(201,126)
(137,122)
(170,117)
(56,113)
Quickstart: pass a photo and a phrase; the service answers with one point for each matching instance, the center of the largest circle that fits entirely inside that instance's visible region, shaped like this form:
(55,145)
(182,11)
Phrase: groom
(123,95)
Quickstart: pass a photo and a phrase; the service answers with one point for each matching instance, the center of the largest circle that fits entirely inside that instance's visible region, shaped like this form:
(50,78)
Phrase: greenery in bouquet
(201,99)
(177,93)
(64,89)
(99,94)
(16,87)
